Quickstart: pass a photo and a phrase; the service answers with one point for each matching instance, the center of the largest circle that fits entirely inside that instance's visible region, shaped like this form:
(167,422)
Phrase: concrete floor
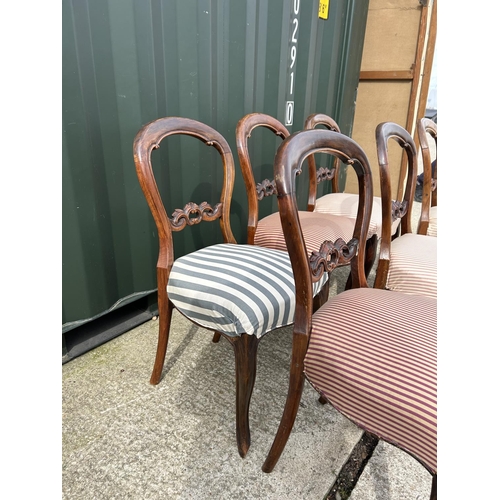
(125,439)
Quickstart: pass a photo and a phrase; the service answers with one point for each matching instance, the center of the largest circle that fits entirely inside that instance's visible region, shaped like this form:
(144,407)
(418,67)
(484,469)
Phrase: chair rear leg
(216,337)
(165,309)
(295,388)
(245,353)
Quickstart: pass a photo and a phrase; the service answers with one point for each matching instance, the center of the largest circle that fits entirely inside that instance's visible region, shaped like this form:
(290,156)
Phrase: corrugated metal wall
(127,62)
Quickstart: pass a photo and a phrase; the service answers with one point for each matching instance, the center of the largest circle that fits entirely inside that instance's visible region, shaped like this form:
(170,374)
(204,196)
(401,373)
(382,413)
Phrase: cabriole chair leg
(295,388)
(245,353)
(165,309)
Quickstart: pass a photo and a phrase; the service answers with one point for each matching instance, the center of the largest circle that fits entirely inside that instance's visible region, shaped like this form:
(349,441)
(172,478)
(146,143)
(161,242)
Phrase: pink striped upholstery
(316,228)
(432,230)
(379,371)
(346,204)
(413,267)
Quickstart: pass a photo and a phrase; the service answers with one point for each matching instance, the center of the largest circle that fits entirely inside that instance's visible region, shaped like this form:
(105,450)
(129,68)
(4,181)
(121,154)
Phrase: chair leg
(322,400)
(295,387)
(434,493)
(216,337)
(245,352)
(165,309)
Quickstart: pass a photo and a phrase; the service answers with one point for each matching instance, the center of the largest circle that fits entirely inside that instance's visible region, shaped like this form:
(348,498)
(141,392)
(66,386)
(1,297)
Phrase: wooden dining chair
(407,263)
(267,231)
(427,224)
(342,203)
(370,353)
(241,292)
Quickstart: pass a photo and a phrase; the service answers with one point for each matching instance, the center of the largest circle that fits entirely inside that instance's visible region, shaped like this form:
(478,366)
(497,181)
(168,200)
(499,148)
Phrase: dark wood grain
(426,126)
(384,132)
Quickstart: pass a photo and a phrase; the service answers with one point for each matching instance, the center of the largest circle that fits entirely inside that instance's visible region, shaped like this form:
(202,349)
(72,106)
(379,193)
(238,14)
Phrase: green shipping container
(127,62)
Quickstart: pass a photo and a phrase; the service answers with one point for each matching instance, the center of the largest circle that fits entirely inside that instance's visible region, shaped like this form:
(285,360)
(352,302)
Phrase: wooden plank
(391,35)
(429,58)
(416,95)
(386,75)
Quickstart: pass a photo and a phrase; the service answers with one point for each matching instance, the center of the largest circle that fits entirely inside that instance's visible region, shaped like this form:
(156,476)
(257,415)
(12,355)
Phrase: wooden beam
(386,75)
(429,58)
(424,33)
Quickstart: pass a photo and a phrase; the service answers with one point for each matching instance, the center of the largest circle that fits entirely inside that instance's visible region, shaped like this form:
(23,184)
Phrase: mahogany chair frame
(318,175)
(288,161)
(429,192)
(257,191)
(393,208)
(287,165)
(245,346)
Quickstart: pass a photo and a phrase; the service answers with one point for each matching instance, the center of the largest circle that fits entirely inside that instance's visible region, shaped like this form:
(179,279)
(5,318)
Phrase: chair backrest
(287,165)
(392,209)
(149,138)
(323,173)
(255,191)
(426,127)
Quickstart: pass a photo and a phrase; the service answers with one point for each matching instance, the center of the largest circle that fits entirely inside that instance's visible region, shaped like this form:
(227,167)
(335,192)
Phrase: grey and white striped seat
(239,291)
(236,289)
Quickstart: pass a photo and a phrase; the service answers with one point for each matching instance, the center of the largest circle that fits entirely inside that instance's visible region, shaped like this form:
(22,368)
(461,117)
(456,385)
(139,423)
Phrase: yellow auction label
(323,9)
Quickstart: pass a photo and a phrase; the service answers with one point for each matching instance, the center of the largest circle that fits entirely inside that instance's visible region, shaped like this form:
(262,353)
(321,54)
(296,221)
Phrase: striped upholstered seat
(346,205)
(316,228)
(235,289)
(413,266)
(378,371)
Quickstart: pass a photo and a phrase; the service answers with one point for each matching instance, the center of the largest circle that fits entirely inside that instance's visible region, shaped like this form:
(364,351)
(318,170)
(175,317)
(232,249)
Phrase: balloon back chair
(238,291)
(426,129)
(370,353)
(407,263)
(267,231)
(341,203)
